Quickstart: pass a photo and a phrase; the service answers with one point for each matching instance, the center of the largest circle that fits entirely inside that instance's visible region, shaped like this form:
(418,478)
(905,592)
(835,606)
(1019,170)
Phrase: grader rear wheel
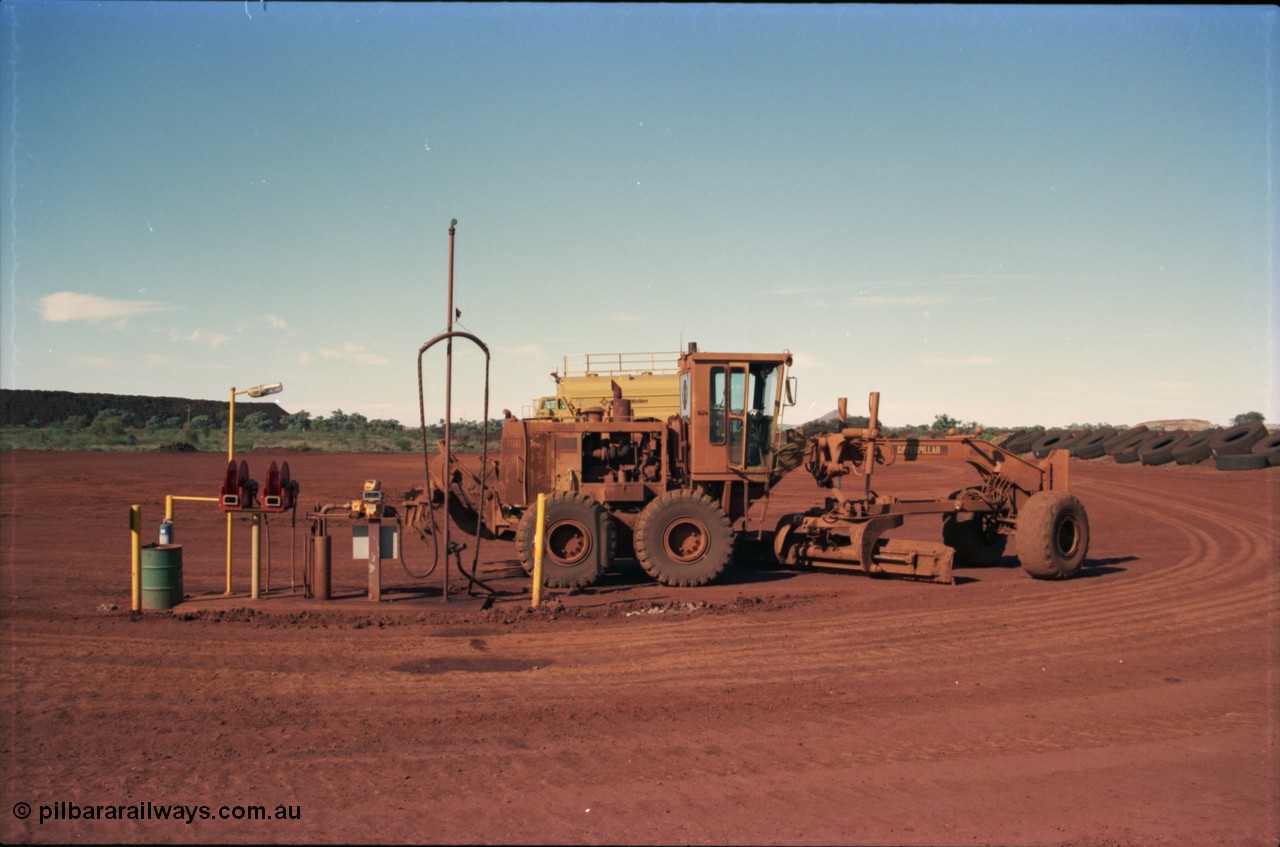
(1052,535)
(577,542)
(683,538)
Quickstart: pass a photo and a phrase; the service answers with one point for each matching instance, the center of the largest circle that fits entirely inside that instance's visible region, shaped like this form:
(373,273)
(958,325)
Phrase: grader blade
(808,544)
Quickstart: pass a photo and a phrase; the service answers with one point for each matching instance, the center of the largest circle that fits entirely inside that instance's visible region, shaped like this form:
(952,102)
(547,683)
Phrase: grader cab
(670,490)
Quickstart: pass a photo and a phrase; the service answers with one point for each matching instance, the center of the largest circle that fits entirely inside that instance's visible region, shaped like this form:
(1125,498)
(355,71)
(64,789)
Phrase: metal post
(228,553)
(256,557)
(447,458)
(135,529)
(231,454)
(321,581)
(537,549)
(375,559)
(873,430)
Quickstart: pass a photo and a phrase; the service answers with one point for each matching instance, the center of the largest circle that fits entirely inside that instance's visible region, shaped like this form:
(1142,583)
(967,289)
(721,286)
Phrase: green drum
(161,576)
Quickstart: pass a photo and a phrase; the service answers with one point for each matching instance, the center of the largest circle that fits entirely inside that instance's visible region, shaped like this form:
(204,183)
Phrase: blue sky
(1005,214)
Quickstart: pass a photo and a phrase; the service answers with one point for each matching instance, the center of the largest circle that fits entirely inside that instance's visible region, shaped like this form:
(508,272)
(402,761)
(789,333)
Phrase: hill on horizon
(35,408)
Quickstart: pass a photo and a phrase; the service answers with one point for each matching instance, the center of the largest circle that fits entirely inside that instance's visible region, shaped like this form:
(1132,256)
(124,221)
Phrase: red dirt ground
(1135,705)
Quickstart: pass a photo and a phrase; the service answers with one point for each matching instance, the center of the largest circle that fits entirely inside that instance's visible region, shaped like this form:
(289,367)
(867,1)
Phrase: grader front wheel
(1052,535)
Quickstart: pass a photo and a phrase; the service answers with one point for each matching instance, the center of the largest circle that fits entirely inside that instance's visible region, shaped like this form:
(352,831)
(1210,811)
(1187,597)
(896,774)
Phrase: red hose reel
(239,492)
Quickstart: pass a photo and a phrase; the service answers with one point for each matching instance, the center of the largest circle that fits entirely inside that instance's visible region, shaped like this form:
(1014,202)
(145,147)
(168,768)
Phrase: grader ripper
(678,491)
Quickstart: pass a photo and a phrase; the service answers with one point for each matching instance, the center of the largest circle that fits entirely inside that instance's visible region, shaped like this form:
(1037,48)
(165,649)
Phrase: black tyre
(1132,452)
(1195,448)
(1241,461)
(1125,457)
(1159,451)
(1052,535)
(1126,440)
(1269,447)
(1004,441)
(1054,439)
(578,541)
(1238,439)
(972,544)
(683,538)
(1091,445)
(1022,442)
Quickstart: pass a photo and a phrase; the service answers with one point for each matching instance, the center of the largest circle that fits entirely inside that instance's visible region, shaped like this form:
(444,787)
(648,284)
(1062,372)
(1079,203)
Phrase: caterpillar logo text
(911,450)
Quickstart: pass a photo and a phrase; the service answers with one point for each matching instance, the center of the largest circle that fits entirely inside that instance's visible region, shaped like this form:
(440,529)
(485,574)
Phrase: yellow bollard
(228,554)
(537,549)
(135,529)
(255,555)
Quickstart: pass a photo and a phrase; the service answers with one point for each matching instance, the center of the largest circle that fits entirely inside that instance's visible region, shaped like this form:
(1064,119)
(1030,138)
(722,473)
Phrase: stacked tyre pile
(1244,447)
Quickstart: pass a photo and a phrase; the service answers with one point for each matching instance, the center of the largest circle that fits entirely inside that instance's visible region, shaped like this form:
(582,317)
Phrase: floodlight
(263,390)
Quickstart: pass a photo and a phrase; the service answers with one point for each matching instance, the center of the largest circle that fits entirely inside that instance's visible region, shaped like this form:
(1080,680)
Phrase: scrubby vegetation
(60,420)
(115,429)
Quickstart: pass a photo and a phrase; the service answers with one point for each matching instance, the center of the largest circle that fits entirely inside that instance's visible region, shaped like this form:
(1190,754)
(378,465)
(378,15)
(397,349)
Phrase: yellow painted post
(231,455)
(228,553)
(135,529)
(537,549)
(255,556)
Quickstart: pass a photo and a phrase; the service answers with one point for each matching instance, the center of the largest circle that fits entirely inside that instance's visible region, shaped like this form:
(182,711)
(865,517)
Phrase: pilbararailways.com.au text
(148,811)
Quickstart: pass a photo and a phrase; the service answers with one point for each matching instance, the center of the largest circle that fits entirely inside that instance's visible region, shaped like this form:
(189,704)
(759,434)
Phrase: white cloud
(274,321)
(789,292)
(65,306)
(133,364)
(200,337)
(965,361)
(912,301)
(352,352)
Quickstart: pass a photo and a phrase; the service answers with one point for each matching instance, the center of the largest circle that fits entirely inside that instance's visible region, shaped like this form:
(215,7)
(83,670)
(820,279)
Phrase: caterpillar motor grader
(678,491)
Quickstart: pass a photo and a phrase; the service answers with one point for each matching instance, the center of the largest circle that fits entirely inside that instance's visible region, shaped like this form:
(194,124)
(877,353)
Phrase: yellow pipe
(135,529)
(170,498)
(537,549)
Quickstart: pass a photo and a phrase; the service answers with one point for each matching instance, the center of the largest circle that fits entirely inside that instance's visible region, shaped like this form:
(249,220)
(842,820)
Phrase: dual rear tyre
(682,538)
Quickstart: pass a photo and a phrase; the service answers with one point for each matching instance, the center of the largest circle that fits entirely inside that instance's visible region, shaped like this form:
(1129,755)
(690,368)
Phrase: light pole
(256,391)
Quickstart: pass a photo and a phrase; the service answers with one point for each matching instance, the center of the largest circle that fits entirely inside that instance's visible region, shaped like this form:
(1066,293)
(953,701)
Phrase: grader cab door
(732,408)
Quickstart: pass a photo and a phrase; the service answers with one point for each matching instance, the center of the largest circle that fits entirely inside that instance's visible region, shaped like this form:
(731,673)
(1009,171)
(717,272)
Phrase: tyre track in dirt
(1127,707)
(1237,590)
